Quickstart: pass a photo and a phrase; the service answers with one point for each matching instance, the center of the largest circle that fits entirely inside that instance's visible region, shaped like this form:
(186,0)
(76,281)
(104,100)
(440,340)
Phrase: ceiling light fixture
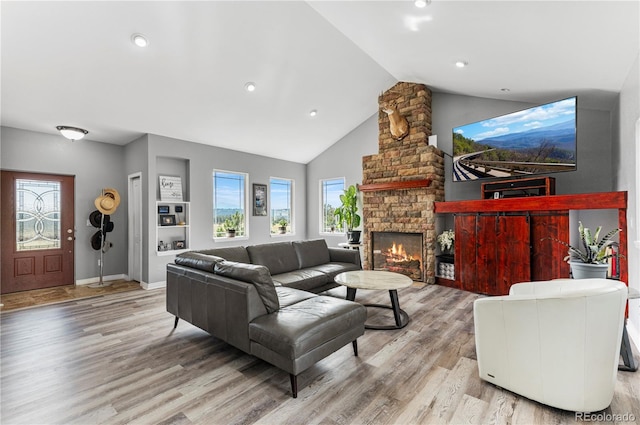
(505,89)
(72,133)
(461,64)
(139,40)
(422,3)
(313,113)
(250,86)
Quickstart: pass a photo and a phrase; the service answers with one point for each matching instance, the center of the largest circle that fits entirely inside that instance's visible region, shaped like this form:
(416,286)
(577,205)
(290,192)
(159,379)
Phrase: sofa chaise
(264,299)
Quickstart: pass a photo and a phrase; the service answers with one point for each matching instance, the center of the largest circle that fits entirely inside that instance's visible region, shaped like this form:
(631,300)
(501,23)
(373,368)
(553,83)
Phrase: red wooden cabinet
(494,251)
(506,241)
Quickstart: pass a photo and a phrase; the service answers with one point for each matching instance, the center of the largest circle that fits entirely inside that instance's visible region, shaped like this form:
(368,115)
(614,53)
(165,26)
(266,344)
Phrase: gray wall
(594,142)
(200,161)
(342,159)
(95,166)
(98,165)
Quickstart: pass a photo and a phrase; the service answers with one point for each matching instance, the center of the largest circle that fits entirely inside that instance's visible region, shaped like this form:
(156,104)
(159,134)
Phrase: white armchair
(556,342)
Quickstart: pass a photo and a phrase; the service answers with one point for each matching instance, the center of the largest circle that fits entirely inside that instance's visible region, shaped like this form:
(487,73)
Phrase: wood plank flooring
(117,360)
(57,294)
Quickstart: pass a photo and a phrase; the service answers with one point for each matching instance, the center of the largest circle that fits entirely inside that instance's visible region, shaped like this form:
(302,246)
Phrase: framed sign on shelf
(259,199)
(170,188)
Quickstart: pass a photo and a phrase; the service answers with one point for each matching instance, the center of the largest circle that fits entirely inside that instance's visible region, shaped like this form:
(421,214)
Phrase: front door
(37,228)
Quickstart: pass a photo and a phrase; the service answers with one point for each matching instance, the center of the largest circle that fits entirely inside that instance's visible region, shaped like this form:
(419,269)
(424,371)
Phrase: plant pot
(231,233)
(580,270)
(282,230)
(353,236)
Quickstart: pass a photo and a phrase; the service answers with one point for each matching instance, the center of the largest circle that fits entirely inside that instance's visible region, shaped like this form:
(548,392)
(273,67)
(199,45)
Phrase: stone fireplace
(402,181)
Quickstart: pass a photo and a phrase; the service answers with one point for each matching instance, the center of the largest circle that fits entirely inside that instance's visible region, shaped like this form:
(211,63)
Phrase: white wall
(627,166)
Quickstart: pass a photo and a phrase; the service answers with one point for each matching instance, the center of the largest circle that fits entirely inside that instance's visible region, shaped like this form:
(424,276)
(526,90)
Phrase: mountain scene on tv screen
(534,141)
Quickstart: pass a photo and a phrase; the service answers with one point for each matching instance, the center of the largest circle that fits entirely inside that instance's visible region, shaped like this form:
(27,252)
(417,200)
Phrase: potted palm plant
(347,213)
(590,261)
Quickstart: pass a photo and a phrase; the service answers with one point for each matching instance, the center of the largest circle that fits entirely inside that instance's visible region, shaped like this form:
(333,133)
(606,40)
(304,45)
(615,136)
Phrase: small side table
(346,245)
(625,346)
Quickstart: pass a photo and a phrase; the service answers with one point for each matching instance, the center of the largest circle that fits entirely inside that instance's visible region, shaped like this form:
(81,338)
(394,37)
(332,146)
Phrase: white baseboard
(96,279)
(154,285)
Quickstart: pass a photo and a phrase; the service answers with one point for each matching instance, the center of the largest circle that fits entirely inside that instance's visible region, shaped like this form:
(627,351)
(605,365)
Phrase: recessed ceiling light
(250,86)
(313,113)
(139,40)
(422,3)
(461,64)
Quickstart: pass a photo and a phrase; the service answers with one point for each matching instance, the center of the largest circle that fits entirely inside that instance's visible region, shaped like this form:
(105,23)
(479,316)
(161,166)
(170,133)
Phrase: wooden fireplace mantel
(409,184)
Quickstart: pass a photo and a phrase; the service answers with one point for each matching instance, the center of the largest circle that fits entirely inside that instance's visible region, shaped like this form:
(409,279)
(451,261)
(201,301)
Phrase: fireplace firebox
(398,252)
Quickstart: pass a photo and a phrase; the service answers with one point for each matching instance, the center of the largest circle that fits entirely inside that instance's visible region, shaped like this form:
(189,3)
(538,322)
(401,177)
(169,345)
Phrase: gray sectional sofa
(263,299)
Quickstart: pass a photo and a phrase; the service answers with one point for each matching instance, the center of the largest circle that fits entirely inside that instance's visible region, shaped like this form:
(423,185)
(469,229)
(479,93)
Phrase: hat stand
(101,283)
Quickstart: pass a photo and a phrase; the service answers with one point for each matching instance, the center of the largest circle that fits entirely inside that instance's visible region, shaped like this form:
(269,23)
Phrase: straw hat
(108,201)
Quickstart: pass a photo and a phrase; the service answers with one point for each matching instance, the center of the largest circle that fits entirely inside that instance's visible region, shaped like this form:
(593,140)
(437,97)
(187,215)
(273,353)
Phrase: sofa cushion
(299,328)
(277,257)
(334,269)
(198,260)
(311,253)
(305,279)
(257,275)
(288,296)
(233,253)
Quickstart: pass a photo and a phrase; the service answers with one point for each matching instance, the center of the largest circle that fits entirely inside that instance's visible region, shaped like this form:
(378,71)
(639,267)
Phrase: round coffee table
(376,280)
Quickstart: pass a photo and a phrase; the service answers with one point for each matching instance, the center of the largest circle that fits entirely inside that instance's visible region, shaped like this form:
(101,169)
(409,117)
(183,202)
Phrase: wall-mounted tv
(538,140)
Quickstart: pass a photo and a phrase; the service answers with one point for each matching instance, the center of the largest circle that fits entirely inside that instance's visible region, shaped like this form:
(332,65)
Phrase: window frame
(245,206)
(338,231)
(291,226)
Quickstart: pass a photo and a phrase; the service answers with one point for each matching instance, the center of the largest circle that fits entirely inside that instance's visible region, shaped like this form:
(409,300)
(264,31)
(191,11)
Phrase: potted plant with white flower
(447,240)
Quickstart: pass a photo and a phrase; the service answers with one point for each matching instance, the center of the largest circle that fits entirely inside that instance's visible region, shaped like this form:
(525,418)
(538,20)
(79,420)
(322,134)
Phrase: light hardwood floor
(57,294)
(117,360)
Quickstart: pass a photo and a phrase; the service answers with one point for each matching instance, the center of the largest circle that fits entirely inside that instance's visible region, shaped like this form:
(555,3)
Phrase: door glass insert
(37,215)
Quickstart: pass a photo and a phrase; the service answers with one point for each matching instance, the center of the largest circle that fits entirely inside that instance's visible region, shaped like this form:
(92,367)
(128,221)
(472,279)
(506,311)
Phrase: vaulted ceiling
(74,63)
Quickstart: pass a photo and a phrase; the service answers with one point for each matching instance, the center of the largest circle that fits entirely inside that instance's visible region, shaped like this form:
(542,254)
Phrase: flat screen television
(538,140)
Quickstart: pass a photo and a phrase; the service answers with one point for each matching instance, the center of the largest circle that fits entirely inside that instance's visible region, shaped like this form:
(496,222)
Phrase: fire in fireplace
(398,252)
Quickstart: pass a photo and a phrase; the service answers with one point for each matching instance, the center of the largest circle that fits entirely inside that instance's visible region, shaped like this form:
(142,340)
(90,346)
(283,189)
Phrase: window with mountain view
(330,191)
(281,211)
(229,204)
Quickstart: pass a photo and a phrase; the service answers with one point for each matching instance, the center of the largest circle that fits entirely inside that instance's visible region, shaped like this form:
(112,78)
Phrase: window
(330,191)
(229,204)
(281,195)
